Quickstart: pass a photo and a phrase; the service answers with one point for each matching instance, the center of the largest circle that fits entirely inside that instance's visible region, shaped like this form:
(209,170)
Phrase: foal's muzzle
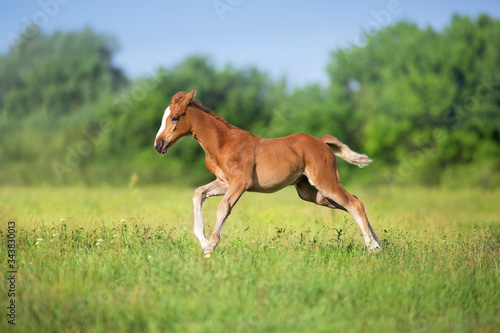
(161,147)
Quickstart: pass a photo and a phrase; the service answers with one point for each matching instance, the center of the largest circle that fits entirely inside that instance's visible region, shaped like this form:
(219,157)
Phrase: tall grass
(125,260)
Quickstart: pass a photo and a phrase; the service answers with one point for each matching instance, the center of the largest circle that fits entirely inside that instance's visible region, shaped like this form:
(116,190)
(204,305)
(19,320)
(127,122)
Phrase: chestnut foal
(243,162)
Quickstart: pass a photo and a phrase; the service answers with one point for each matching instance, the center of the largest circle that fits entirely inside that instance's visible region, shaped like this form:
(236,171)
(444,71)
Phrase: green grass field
(126,260)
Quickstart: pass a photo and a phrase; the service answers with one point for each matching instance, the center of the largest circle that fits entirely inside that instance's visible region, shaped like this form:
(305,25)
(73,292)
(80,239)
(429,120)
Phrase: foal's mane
(214,115)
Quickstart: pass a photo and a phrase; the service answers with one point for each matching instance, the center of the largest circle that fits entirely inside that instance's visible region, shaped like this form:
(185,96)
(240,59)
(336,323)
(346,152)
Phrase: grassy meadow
(126,260)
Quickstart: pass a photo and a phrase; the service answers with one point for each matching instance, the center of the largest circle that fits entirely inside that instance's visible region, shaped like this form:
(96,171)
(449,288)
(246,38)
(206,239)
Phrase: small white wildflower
(149,257)
(96,244)
(100,240)
(115,235)
(62,220)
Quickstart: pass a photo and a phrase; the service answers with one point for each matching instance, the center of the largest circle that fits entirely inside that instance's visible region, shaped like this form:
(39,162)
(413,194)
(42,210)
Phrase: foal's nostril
(159,145)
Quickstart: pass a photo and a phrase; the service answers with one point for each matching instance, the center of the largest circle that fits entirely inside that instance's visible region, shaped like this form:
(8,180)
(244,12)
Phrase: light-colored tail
(342,150)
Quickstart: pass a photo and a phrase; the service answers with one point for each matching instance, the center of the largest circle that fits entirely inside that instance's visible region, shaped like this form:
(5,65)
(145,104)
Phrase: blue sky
(283,38)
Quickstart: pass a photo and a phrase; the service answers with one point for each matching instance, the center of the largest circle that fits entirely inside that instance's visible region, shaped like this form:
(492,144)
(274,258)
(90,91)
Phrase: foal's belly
(276,171)
(273,184)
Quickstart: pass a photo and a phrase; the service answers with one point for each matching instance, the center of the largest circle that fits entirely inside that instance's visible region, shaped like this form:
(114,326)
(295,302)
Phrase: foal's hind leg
(329,188)
(309,193)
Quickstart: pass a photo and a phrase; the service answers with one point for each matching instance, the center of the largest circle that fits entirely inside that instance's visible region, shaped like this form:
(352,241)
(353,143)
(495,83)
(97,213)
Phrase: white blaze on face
(163,121)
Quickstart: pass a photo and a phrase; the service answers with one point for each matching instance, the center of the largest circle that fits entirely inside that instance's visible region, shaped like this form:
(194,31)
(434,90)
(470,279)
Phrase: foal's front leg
(200,195)
(232,195)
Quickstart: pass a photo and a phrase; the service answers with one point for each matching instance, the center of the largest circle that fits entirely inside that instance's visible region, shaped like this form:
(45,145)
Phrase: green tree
(58,74)
(423,99)
(51,91)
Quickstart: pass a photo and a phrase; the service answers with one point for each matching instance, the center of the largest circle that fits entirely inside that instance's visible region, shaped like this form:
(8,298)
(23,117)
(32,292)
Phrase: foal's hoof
(207,254)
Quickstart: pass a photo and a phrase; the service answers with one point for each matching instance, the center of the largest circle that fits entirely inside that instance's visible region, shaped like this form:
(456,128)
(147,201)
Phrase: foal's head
(175,123)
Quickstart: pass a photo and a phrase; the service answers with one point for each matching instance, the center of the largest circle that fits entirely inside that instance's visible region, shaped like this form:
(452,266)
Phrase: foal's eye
(175,118)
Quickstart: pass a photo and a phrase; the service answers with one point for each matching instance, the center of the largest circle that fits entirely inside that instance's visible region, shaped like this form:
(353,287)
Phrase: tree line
(424,104)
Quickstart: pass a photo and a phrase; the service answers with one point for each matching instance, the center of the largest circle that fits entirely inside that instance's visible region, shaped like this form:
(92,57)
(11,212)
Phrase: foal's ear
(186,99)
(183,100)
(189,97)
(177,97)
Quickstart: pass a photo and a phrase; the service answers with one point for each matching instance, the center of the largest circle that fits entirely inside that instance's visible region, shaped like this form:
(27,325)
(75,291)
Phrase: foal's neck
(209,130)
